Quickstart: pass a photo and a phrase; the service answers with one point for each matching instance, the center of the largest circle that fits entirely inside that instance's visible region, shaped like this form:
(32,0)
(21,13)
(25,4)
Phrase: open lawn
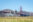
(16,19)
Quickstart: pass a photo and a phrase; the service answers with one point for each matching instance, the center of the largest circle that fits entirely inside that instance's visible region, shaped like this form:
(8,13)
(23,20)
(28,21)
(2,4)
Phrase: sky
(27,5)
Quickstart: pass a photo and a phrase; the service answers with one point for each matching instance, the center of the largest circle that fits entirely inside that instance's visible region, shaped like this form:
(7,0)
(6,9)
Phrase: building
(8,12)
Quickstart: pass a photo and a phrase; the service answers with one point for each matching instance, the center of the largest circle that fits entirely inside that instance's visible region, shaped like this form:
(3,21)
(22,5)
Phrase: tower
(20,9)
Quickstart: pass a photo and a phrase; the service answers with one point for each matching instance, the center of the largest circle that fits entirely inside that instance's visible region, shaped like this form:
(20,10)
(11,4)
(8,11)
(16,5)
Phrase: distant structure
(21,12)
(20,9)
(8,12)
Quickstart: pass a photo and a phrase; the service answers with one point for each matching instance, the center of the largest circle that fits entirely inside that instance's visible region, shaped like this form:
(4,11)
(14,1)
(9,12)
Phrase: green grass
(14,19)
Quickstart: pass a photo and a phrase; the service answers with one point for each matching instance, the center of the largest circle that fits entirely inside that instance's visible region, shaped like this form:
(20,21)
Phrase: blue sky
(27,5)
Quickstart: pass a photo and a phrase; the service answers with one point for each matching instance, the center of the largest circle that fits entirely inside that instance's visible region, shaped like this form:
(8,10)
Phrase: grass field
(16,19)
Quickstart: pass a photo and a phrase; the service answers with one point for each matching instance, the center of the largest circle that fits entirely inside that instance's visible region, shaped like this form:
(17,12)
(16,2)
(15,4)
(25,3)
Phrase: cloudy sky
(27,5)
